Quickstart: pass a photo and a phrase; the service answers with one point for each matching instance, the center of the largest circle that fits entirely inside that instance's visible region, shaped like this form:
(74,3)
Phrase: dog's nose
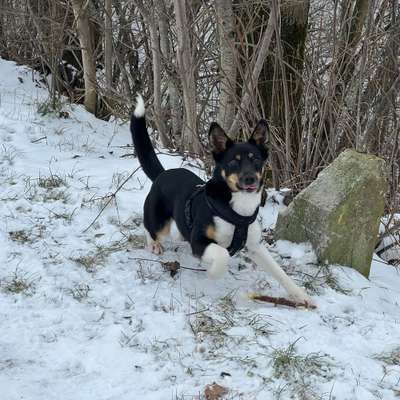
(249,180)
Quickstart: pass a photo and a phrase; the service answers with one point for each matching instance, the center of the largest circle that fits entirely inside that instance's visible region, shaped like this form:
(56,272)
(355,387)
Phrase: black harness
(225,212)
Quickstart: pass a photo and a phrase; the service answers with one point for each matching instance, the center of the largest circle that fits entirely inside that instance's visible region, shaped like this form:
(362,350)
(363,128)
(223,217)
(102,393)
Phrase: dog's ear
(219,140)
(260,133)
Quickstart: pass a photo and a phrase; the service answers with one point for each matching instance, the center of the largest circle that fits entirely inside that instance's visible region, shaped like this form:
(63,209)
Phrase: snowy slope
(86,314)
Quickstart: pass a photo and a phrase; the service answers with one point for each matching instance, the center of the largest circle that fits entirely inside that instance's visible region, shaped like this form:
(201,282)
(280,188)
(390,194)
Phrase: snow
(122,327)
(389,247)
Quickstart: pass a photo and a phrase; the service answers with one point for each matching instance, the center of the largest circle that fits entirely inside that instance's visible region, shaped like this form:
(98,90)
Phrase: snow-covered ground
(89,314)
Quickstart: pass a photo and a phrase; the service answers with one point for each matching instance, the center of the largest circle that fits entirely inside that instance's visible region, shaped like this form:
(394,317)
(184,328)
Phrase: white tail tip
(139,109)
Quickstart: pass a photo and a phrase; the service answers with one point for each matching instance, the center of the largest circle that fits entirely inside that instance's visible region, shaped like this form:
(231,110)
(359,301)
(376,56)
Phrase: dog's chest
(244,204)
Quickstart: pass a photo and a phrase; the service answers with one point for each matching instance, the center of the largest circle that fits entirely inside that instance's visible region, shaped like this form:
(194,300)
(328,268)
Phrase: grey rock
(339,212)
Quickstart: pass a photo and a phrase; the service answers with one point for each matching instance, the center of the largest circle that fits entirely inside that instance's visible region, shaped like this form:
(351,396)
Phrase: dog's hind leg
(154,241)
(157,221)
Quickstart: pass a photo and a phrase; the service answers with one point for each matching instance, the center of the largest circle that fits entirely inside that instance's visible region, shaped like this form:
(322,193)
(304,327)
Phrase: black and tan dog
(217,217)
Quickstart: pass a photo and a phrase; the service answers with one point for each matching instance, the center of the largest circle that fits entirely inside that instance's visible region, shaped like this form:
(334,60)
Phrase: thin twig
(163,262)
(38,140)
(198,312)
(111,196)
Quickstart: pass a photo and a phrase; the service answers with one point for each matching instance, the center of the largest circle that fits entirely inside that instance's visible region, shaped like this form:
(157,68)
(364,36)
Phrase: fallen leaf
(215,391)
(171,266)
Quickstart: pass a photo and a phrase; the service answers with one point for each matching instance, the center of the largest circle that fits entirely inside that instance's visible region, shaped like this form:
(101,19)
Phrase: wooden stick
(279,301)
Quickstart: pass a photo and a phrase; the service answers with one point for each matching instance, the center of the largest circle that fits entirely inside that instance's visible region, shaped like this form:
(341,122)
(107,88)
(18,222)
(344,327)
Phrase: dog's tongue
(250,188)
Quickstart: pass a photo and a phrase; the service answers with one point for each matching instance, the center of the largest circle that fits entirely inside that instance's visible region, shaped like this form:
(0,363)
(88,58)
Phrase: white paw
(155,248)
(217,270)
(301,297)
(216,258)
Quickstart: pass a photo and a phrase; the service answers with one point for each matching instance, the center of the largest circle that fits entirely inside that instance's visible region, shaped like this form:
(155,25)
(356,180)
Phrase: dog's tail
(144,148)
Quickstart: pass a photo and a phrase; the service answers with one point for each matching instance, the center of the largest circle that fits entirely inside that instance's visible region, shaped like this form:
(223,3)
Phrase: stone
(339,213)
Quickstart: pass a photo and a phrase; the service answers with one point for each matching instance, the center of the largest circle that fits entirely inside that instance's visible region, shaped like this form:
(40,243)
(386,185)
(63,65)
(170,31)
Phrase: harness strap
(221,210)
(188,205)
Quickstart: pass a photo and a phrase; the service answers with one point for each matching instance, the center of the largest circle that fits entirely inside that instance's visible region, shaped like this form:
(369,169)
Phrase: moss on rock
(339,212)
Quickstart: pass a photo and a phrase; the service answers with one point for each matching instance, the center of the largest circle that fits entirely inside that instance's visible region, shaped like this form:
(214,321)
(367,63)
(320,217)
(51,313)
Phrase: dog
(217,217)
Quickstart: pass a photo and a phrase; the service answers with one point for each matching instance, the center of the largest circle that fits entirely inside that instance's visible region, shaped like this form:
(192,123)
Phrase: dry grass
(300,372)
(20,236)
(46,189)
(19,283)
(8,154)
(391,357)
(288,364)
(91,261)
(79,292)
(49,106)
(324,277)
(51,182)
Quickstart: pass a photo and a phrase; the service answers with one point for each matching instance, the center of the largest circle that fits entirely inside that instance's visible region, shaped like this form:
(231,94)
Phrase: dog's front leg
(216,259)
(261,257)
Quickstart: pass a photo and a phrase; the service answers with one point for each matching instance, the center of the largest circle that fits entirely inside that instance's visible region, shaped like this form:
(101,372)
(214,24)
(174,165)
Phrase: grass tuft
(287,363)
(299,372)
(324,277)
(91,261)
(291,366)
(19,282)
(390,358)
(49,107)
(8,154)
(20,236)
(51,182)
(52,185)
(80,292)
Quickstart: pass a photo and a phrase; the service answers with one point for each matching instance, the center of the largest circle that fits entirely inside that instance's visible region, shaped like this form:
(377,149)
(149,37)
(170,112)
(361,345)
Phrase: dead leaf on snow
(172,267)
(215,391)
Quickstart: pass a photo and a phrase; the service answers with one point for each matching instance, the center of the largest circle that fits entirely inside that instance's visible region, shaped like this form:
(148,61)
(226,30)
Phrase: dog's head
(240,164)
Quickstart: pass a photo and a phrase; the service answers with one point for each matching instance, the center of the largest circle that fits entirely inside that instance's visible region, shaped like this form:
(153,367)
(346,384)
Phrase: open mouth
(249,188)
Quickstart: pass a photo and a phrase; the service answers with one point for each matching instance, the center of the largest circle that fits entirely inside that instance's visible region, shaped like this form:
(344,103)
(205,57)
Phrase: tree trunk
(279,83)
(149,16)
(83,27)
(173,89)
(108,44)
(157,109)
(190,139)
(228,71)
(380,96)
(291,21)
(252,74)
(353,17)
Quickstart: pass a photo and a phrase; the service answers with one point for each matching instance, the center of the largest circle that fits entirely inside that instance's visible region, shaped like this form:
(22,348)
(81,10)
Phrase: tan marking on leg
(164,231)
(210,232)
(153,246)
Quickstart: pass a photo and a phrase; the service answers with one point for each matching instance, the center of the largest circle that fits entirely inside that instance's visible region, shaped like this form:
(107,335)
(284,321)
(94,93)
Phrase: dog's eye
(233,163)
(257,163)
